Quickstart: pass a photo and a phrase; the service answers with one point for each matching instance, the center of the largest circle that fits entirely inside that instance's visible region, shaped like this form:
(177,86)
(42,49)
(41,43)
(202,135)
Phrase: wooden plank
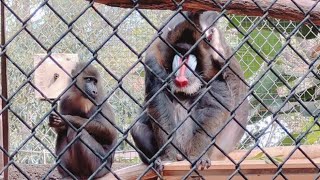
(282,9)
(247,164)
(295,168)
(49,78)
(255,177)
(252,169)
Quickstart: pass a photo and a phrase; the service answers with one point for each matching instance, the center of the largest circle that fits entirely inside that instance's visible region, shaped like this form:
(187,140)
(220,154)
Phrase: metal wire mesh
(277,57)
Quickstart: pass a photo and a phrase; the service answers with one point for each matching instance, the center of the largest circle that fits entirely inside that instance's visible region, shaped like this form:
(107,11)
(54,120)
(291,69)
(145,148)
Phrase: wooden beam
(259,166)
(250,168)
(296,167)
(282,9)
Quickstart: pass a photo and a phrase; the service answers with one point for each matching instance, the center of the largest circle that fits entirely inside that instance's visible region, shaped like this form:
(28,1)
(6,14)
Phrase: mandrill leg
(87,159)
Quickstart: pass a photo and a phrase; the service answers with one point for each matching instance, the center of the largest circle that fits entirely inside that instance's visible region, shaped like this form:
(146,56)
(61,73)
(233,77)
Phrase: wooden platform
(297,167)
(250,168)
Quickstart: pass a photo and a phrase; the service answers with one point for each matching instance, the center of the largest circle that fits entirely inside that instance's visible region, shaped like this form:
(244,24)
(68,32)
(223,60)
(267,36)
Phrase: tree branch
(282,9)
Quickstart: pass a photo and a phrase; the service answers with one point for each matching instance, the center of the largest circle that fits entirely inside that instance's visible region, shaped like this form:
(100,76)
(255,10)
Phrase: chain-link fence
(279,60)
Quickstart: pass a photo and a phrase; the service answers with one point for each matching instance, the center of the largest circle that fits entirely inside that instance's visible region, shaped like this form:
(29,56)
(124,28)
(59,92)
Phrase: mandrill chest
(182,135)
(83,107)
(86,106)
(180,111)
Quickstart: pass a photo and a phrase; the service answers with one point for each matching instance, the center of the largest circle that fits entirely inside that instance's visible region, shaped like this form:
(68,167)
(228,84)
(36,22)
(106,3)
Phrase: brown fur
(227,89)
(99,134)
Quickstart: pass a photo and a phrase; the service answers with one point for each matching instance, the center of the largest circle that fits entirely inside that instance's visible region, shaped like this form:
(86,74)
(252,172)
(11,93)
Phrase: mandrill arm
(160,107)
(103,132)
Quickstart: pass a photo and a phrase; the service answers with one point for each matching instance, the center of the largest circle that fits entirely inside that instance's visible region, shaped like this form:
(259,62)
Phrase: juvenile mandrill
(99,135)
(203,109)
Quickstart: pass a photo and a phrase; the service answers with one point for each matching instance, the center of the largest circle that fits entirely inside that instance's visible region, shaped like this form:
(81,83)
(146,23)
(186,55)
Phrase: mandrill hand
(56,121)
(202,163)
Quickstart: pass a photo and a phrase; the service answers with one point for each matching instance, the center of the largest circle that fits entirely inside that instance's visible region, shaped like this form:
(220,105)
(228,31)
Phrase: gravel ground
(39,171)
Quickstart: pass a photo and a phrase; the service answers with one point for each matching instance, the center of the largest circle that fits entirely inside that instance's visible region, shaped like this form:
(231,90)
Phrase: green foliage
(261,156)
(244,23)
(266,88)
(266,43)
(312,137)
(288,141)
(265,40)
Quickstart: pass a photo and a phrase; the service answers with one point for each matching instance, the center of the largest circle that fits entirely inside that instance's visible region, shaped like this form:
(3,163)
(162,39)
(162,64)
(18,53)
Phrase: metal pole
(5,124)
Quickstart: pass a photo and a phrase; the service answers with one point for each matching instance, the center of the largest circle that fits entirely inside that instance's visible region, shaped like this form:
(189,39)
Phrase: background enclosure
(279,58)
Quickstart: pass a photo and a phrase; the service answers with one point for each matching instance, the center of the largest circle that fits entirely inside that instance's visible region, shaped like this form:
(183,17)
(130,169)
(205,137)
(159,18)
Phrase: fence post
(1,144)
(4,93)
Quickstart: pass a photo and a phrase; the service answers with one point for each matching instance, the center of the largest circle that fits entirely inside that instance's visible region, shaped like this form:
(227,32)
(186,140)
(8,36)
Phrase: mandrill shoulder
(220,94)
(76,106)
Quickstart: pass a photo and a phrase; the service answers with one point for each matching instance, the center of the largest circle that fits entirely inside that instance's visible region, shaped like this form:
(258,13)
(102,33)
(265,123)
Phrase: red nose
(181,81)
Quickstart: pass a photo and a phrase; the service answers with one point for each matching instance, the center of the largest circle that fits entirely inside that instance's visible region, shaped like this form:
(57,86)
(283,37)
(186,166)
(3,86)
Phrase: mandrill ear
(218,49)
(77,70)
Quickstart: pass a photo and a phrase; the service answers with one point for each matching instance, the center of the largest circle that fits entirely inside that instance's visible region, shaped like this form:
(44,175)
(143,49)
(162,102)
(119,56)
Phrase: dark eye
(88,79)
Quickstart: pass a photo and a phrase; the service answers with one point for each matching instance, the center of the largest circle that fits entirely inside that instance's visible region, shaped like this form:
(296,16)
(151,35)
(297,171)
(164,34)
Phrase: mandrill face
(184,80)
(193,59)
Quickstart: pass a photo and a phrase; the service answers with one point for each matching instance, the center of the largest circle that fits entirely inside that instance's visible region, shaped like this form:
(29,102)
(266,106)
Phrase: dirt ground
(39,171)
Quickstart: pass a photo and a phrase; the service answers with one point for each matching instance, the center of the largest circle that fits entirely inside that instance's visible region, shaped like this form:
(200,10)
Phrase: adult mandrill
(99,134)
(203,108)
